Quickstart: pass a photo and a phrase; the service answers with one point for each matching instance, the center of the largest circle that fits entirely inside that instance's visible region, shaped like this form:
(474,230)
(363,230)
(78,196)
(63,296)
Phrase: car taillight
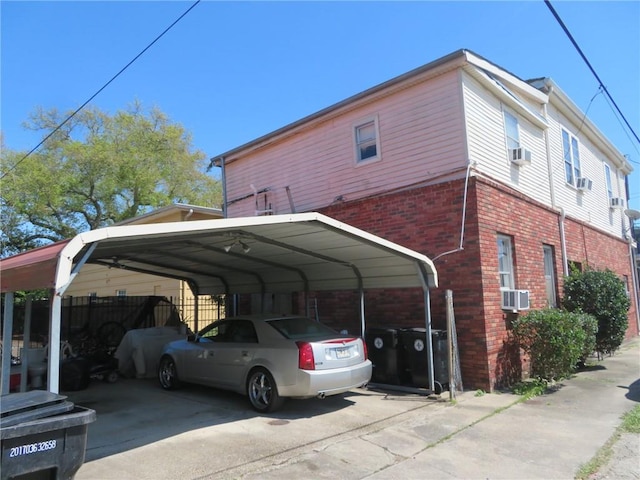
(305,356)
(364,349)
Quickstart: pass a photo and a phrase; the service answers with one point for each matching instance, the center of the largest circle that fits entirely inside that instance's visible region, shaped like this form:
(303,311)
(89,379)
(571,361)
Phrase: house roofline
(567,107)
(453,60)
(180,207)
(457,57)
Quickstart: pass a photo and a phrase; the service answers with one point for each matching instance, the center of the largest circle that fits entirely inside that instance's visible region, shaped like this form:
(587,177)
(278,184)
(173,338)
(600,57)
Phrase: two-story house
(504,183)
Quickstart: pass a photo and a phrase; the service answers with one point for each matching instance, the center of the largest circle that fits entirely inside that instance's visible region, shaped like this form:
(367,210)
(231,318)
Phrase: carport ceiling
(280,253)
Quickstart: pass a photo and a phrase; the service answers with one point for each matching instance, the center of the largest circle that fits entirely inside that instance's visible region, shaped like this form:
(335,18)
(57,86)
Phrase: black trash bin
(414,352)
(440,359)
(414,349)
(382,346)
(43,436)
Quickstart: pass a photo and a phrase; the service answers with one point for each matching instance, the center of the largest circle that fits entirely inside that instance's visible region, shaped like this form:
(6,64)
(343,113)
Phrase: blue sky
(232,71)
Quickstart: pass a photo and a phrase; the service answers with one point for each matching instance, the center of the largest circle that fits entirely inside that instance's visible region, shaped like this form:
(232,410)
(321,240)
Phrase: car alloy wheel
(263,392)
(167,373)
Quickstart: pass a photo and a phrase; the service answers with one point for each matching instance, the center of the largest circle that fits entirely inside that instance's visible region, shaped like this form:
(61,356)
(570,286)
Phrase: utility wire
(575,44)
(98,92)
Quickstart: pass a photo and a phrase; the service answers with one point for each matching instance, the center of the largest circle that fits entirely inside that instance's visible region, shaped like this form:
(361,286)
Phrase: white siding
(421,137)
(591,206)
(488,147)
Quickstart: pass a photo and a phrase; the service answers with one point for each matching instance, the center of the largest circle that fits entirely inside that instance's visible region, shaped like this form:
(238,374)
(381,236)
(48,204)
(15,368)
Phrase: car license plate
(342,353)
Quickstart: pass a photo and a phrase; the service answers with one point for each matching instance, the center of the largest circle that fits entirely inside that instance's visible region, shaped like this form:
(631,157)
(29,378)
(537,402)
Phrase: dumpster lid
(26,406)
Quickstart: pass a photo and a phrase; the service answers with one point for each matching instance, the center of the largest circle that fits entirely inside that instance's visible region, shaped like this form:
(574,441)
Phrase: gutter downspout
(634,280)
(552,194)
(464,213)
(563,243)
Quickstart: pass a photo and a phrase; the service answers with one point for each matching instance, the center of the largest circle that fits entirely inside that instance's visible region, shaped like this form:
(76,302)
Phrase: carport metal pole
(429,343)
(7,340)
(362,321)
(26,344)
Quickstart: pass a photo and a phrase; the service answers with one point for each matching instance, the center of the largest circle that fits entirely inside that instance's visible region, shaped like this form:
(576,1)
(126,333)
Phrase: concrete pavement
(376,435)
(490,436)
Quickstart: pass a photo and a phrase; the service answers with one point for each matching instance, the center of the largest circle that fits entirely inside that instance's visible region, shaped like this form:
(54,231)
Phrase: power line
(575,44)
(98,92)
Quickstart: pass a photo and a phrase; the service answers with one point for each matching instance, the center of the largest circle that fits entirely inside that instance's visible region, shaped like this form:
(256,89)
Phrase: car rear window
(296,328)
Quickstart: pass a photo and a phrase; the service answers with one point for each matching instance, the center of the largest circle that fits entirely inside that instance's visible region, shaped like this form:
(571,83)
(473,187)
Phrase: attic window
(367,141)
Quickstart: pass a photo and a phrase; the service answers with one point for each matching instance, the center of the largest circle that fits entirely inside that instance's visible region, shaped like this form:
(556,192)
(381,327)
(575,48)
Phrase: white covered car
(268,358)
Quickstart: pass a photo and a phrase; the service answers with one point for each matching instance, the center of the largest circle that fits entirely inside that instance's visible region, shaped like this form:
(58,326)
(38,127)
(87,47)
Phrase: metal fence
(106,319)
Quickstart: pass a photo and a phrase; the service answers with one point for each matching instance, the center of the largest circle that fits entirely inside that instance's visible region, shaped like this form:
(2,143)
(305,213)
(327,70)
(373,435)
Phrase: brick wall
(428,220)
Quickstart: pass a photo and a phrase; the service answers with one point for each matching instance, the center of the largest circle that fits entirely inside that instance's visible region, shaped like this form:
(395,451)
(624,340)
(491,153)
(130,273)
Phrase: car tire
(168,373)
(263,391)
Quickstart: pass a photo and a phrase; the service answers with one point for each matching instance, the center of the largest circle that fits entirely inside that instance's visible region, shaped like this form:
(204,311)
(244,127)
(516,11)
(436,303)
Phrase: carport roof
(276,254)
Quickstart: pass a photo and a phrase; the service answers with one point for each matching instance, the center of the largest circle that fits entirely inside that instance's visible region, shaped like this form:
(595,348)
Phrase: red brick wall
(428,220)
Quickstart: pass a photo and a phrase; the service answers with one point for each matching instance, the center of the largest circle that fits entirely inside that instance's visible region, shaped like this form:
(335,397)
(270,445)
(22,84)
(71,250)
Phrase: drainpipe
(634,279)
(634,265)
(563,243)
(552,194)
(464,213)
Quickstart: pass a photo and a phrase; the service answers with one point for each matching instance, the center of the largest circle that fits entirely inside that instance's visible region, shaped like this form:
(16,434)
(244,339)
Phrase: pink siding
(421,131)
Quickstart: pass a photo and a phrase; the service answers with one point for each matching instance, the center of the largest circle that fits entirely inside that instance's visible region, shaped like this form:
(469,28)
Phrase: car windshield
(302,328)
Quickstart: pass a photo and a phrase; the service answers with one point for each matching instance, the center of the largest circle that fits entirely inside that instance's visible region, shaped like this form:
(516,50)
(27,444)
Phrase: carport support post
(362,323)
(26,344)
(55,312)
(427,311)
(7,341)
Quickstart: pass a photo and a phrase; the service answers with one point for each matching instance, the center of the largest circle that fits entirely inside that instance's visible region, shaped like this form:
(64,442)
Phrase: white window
(121,293)
(367,140)
(511,130)
(571,154)
(607,176)
(505,262)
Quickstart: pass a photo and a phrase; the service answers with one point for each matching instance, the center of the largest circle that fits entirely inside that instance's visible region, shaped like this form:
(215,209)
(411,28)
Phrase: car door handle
(245,353)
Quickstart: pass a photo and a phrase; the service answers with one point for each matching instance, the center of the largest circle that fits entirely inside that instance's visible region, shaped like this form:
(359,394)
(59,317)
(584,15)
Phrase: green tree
(96,170)
(602,294)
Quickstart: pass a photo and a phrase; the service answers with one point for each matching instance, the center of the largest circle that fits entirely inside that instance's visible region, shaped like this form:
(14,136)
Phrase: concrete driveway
(143,431)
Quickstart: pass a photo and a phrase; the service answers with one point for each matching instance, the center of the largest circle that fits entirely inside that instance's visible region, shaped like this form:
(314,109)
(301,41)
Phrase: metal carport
(277,254)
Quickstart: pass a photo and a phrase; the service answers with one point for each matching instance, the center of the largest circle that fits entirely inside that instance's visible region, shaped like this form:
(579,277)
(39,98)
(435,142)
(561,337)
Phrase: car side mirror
(191,338)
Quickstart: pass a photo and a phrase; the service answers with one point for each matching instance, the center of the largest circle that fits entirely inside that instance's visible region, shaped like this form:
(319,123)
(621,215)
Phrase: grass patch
(631,421)
(530,388)
(630,424)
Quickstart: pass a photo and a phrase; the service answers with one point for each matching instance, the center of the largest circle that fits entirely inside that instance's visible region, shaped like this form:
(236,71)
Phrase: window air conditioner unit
(617,202)
(520,156)
(583,184)
(515,300)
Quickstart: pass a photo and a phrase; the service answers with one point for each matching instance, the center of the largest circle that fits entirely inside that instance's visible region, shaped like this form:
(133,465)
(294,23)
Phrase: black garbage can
(382,346)
(440,358)
(414,351)
(43,436)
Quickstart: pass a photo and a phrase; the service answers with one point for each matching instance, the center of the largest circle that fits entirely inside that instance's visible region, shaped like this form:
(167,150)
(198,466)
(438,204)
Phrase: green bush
(555,341)
(602,294)
(590,326)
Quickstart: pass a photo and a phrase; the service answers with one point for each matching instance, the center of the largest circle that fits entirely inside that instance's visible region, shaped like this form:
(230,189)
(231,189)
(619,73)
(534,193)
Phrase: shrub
(602,294)
(590,326)
(555,341)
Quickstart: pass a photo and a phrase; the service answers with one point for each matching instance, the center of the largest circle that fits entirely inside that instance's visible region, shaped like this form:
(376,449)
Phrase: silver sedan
(268,358)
